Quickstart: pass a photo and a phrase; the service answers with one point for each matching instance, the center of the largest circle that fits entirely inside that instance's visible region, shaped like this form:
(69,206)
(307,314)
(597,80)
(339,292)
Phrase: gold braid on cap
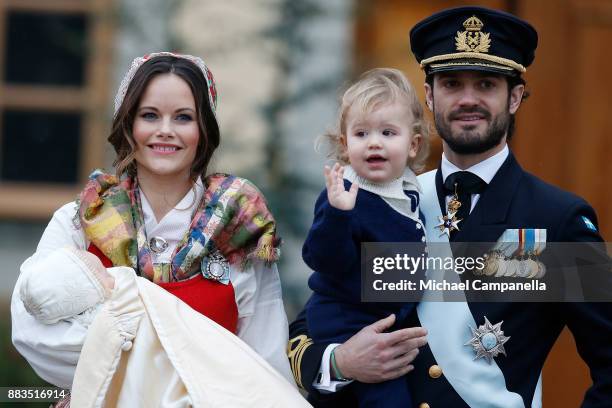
(475,55)
(471,63)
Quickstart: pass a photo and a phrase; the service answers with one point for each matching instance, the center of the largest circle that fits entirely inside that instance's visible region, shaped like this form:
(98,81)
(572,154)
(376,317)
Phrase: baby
(382,138)
(73,292)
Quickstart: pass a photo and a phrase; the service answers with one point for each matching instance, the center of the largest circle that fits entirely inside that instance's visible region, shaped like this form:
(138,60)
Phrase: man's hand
(337,196)
(371,356)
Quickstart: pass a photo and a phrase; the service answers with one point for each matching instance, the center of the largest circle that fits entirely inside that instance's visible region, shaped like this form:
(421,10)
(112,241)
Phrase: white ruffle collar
(392,189)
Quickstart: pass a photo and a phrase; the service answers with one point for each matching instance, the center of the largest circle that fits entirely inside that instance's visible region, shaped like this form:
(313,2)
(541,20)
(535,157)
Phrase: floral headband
(137,63)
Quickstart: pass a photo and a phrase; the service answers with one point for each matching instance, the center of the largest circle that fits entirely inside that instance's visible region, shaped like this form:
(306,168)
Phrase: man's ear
(516,96)
(429,96)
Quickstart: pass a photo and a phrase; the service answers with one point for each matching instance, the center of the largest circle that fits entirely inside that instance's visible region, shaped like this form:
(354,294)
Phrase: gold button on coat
(423,405)
(435,371)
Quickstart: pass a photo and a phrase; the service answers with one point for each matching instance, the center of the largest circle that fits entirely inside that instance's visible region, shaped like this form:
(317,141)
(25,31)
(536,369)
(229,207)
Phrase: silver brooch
(216,267)
(488,341)
(158,244)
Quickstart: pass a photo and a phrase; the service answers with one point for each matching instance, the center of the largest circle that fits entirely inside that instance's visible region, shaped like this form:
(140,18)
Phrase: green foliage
(280,184)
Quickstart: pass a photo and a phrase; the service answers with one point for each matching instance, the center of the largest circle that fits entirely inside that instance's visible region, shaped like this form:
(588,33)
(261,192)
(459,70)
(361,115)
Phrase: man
(473,59)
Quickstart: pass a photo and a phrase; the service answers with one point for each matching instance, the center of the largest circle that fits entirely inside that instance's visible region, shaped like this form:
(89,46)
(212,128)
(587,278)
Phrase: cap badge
(472,39)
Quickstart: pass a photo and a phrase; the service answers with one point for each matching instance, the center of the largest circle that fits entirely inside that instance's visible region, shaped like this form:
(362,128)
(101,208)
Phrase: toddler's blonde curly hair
(373,89)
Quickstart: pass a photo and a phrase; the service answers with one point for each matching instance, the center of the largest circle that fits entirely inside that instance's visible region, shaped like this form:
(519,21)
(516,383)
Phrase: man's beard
(468,141)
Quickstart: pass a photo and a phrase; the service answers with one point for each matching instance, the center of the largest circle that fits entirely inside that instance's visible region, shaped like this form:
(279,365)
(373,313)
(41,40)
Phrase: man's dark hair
(512,82)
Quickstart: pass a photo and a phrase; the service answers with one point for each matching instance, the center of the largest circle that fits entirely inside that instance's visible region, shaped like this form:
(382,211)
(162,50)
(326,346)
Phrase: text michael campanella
(410,265)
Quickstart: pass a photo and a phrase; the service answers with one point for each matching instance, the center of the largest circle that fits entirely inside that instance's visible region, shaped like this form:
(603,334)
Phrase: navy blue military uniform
(517,199)
(513,199)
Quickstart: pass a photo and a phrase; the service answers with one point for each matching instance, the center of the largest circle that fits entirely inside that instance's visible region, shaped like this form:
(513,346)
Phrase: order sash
(477,382)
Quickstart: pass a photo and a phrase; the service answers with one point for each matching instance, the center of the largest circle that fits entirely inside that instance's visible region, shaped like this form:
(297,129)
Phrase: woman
(209,240)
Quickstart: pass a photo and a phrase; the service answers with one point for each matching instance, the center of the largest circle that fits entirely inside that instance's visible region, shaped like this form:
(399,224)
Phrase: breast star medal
(488,341)
(449,223)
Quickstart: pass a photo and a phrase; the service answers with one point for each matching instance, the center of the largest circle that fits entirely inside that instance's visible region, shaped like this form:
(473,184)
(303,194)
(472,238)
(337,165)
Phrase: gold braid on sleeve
(295,352)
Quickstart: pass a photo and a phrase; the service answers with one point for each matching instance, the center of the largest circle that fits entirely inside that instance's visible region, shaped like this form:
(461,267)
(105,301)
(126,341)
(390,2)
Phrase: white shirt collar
(486,169)
(392,189)
(173,226)
(183,211)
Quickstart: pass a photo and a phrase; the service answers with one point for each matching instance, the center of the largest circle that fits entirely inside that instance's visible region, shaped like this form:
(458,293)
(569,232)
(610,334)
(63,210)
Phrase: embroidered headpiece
(138,62)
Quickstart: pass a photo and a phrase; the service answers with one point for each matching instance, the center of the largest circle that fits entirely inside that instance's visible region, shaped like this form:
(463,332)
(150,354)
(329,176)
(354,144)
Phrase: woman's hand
(337,196)
(372,356)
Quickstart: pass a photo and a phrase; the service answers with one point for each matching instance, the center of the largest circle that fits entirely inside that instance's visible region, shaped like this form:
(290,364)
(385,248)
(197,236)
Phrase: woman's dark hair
(121,134)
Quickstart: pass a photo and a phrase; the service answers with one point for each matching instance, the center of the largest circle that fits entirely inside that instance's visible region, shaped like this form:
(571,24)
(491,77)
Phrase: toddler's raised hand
(336,194)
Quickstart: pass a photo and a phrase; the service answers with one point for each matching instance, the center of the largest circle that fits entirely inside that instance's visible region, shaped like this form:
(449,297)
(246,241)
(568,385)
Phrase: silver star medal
(448,224)
(488,341)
